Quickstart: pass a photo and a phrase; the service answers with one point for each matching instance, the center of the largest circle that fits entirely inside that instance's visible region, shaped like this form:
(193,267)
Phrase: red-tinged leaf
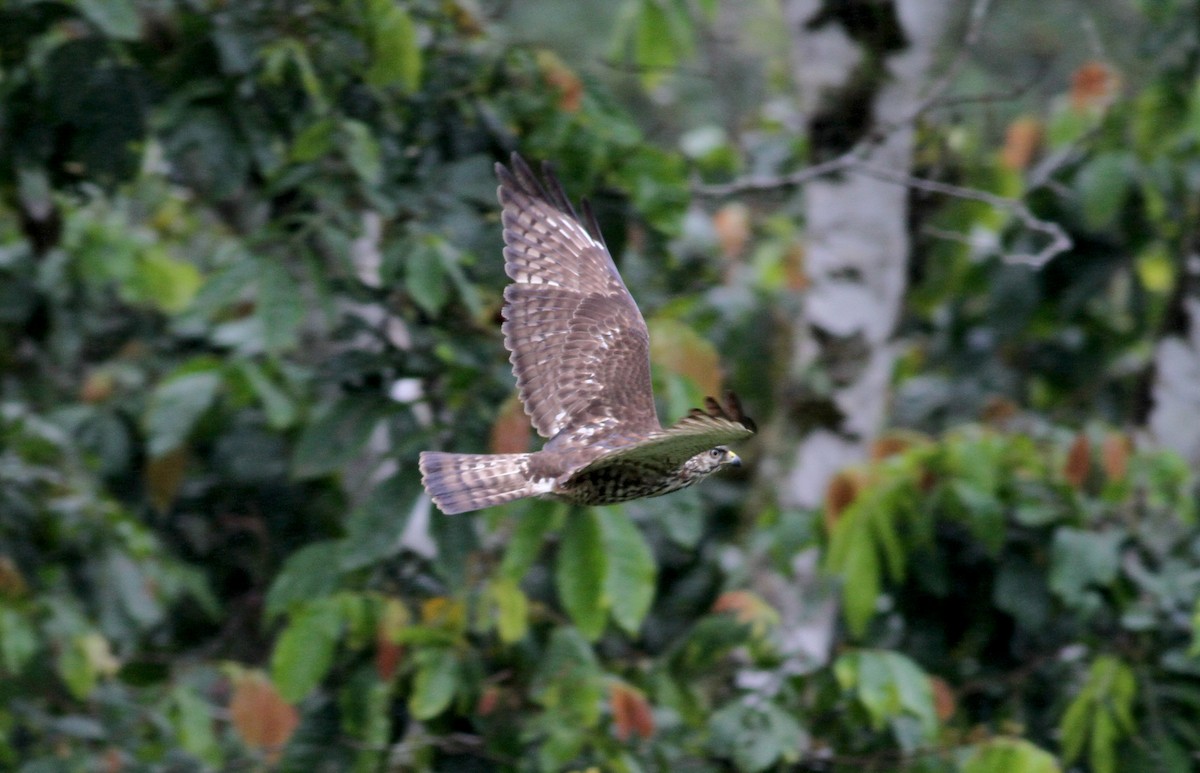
(748,608)
(732,224)
(97,387)
(795,269)
(511,430)
(999,410)
(388,655)
(446,613)
(163,476)
(841,492)
(631,711)
(894,443)
(1079,462)
(1114,456)
(1094,86)
(12,582)
(489,698)
(262,718)
(944,702)
(1021,143)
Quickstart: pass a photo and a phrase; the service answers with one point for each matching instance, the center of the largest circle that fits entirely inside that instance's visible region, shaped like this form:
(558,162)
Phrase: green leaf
(309,573)
(314,141)
(280,305)
(375,530)
(305,648)
(116,18)
(277,404)
(425,277)
(193,720)
(362,152)
(512,609)
(893,690)
(756,736)
(526,541)
(175,407)
(580,573)
(1103,186)
(163,282)
(568,679)
(1080,560)
(18,641)
(337,436)
(631,574)
(435,682)
(395,53)
(1010,755)
(853,556)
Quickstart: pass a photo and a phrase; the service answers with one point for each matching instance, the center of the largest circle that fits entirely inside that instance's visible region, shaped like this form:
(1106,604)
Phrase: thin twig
(978,15)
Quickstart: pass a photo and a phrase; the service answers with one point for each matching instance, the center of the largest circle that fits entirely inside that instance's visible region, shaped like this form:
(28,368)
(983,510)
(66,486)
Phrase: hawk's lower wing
(668,448)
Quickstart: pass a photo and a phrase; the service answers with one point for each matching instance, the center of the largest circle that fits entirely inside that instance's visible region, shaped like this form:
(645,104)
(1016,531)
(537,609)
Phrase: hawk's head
(707,462)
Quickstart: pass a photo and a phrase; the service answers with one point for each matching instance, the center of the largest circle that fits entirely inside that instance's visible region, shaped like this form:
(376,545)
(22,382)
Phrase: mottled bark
(1174,417)
(862,70)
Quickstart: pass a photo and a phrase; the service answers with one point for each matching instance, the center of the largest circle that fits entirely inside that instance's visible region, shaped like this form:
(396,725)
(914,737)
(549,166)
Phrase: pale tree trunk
(862,71)
(1174,416)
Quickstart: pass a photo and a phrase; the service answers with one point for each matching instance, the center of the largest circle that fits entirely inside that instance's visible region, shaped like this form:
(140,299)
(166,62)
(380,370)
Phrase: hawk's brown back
(580,348)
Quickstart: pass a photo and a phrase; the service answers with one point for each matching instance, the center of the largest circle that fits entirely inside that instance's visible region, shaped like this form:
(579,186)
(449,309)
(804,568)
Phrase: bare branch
(1060,240)
(771,183)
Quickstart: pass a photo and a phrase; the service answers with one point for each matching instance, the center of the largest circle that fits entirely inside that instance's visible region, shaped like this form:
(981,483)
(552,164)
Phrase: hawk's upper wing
(695,433)
(580,349)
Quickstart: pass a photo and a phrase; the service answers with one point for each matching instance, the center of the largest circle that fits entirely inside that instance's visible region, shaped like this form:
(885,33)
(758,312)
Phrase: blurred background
(947,252)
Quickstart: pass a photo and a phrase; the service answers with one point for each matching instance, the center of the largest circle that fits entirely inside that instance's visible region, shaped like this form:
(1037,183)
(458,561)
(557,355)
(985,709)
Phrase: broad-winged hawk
(581,354)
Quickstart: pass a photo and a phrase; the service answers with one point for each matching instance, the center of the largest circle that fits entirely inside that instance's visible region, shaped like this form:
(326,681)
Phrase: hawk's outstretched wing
(580,349)
(669,448)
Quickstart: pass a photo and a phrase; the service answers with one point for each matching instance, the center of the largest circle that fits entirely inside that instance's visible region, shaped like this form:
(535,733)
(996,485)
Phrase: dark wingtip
(731,411)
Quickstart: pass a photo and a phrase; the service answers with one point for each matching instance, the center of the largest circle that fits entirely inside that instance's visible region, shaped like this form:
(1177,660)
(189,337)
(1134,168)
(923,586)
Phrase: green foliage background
(249,268)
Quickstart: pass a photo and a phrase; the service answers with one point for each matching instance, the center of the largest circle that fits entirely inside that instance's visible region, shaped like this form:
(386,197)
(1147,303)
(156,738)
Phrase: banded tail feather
(461,482)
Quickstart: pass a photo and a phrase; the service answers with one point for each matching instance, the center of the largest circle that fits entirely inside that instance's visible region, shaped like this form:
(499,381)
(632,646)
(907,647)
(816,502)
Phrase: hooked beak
(733,459)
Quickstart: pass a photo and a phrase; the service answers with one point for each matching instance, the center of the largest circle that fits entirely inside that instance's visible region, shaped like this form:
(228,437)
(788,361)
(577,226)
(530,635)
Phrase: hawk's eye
(716,453)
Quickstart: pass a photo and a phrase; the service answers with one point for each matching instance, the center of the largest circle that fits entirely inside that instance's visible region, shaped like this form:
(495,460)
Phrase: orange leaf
(1021,143)
(944,702)
(1079,461)
(1094,86)
(262,718)
(732,224)
(163,475)
(1114,455)
(631,711)
(841,492)
(680,350)
(794,271)
(747,607)
(510,432)
(562,79)
(97,387)
(998,410)
(443,612)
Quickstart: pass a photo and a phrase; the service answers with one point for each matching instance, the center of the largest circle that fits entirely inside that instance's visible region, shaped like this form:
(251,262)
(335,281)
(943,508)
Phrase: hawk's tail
(461,482)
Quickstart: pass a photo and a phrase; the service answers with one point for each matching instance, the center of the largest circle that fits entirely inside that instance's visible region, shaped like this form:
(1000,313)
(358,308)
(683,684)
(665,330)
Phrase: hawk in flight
(581,354)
